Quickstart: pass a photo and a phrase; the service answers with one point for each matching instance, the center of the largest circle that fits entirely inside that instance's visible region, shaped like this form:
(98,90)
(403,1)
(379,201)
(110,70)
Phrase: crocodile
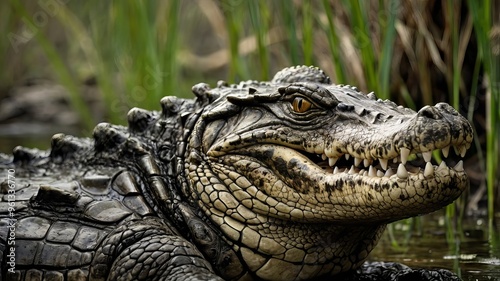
(289,179)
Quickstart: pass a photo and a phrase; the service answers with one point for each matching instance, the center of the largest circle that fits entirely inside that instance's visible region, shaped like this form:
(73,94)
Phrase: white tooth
(427,156)
(457,151)
(389,172)
(442,166)
(395,160)
(429,170)
(372,172)
(336,170)
(367,162)
(347,155)
(459,167)
(362,172)
(351,171)
(329,152)
(402,173)
(404,154)
(463,150)
(323,156)
(332,161)
(446,151)
(380,173)
(383,163)
(357,161)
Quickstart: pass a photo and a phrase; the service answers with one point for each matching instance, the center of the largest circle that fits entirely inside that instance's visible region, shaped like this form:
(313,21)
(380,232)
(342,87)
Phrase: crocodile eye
(300,105)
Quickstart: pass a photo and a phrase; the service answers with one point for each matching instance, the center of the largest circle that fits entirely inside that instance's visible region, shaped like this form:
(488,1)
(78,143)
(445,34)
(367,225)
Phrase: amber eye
(300,105)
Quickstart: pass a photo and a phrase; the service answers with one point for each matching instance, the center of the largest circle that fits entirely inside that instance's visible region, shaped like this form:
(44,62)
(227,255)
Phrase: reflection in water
(470,251)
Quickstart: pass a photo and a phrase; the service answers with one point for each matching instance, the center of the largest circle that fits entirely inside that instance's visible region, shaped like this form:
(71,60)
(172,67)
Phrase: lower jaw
(336,249)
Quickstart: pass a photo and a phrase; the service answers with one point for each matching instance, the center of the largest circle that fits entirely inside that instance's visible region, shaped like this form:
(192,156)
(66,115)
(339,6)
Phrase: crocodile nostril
(430,112)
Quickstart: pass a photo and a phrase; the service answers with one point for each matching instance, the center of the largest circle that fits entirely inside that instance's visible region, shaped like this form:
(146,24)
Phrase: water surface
(470,250)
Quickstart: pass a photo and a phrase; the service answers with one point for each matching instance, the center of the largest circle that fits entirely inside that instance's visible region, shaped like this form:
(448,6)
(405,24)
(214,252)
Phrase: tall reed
(482,14)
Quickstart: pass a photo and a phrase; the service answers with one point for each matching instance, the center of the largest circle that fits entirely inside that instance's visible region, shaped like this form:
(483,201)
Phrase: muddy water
(471,250)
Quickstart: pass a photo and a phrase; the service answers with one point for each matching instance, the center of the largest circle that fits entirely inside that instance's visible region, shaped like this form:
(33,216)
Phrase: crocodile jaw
(310,194)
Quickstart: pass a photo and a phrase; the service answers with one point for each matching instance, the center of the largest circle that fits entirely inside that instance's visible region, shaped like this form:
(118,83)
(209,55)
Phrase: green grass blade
(482,24)
(258,17)
(333,44)
(307,33)
(169,62)
(456,70)
(362,35)
(384,71)
(289,21)
(233,16)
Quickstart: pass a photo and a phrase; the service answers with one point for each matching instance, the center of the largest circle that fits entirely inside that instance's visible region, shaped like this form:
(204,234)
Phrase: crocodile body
(290,179)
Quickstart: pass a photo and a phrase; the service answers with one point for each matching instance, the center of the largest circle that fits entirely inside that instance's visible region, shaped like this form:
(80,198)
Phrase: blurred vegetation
(134,52)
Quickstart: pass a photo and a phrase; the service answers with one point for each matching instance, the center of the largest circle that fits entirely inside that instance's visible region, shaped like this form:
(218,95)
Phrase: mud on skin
(291,179)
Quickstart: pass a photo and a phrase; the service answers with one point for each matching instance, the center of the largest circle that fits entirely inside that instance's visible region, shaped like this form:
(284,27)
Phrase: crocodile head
(301,175)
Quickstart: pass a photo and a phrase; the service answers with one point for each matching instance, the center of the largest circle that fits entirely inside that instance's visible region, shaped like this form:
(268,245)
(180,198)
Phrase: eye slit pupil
(300,105)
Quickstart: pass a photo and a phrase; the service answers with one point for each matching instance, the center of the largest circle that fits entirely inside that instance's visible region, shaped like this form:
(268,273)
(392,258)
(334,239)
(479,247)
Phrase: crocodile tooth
(362,172)
(405,152)
(457,151)
(336,170)
(446,151)
(402,173)
(380,173)
(351,171)
(347,155)
(389,172)
(372,172)
(367,162)
(395,160)
(357,161)
(427,156)
(324,157)
(332,161)
(383,163)
(442,166)
(429,170)
(329,152)
(459,167)
(463,150)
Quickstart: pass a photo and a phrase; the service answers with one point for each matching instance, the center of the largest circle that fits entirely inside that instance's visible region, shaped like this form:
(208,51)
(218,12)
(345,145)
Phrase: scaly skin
(286,210)
(248,181)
